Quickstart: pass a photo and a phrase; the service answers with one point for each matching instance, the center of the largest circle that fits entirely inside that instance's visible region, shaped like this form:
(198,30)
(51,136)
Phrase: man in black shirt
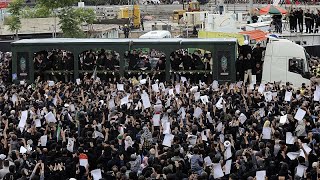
(300,19)
(133,60)
(308,21)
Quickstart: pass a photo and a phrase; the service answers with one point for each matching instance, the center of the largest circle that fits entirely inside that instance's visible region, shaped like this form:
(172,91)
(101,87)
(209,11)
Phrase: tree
(70,23)
(14,22)
(86,17)
(71,19)
(39,11)
(55,4)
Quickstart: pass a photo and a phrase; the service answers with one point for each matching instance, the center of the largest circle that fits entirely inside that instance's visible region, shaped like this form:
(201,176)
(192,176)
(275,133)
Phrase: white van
(285,61)
(159,34)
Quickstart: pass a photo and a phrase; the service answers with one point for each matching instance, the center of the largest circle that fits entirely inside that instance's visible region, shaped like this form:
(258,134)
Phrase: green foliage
(55,4)
(14,22)
(70,23)
(95,2)
(39,11)
(85,15)
(15,6)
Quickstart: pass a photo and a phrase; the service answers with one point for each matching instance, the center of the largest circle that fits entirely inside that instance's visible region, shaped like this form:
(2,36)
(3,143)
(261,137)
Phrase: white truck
(285,61)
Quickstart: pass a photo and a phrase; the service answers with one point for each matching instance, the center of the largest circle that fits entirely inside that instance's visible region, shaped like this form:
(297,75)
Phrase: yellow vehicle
(177,15)
(193,6)
(133,14)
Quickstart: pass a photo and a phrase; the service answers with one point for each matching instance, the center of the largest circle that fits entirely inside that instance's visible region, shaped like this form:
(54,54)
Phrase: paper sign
(111,104)
(219,104)
(167,140)
(166,128)
(96,174)
(215,85)
(156,120)
(288,96)
(204,99)
(51,83)
(208,161)
(145,100)
(239,84)
(219,127)
(266,133)
(197,113)
(300,114)
(192,139)
(155,87)
(23,150)
(316,94)
(14,99)
(171,92)
(183,79)
(242,118)
(261,175)
(43,140)
(177,87)
(50,117)
(124,100)
(120,87)
(196,96)
(23,119)
(293,155)
(217,171)
(78,81)
(268,96)
(301,170)
(98,134)
(143,81)
(254,79)
(306,148)
(227,153)
(37,122)
(283,119)
(83,162)
(161,86)
(70,144)
(289,138)
(203,136)
(227,167)
(261,88)
(194,89)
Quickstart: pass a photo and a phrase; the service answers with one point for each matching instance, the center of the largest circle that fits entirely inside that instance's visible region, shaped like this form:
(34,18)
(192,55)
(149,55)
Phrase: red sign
(3,5)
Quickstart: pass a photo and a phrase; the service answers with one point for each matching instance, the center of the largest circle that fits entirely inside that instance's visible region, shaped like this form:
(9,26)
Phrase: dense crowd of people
(146,128)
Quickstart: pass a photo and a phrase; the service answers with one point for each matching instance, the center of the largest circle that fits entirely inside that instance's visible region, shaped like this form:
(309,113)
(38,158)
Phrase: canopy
(257,35)
(271,9)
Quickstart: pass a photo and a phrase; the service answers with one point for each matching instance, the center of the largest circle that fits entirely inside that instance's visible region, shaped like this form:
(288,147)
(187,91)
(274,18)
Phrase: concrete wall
(136,34)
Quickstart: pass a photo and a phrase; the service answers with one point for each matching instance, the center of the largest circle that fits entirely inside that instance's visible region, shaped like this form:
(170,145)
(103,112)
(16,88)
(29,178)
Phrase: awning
(257,35)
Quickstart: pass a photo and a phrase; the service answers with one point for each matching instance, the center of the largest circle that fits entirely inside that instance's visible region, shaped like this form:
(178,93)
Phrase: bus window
(296,66)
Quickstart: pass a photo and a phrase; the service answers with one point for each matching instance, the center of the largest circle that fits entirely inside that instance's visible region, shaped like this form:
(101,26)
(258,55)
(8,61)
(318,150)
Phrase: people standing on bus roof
(133,60)
(308,21)
(300,19)
(293,21)
(248,66)
(126,31)
(240,68)
(257,53)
